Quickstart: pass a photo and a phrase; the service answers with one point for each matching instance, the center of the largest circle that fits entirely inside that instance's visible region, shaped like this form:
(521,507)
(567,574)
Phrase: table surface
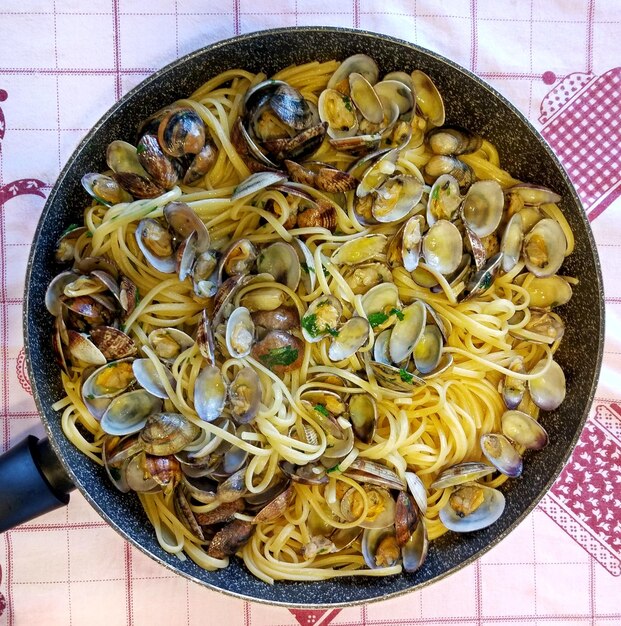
(64,63)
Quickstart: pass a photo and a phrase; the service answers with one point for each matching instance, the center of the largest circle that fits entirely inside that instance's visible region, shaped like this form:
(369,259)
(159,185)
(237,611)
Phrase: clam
(210,392)
(281,261)
(357,145)
(414,552)
(81,348)
(245,393)
(105,189)
(321,318)
(309,474)
(184,221)
(544,327)
(308,274)
(380,548)
(428,99)
(483,207)
(544,248)
(535,195)
(159,166)
(167,433)
(360,250)
(381,509)
(155,242)
(128,412)
(418,490)
(440,164)
(360,63)
(513,388)
(482,280)
(109,380)
(407,517)
(548,389)
(137,476)
(352,336)
(238,258)
(428,349)
(279,351)
(230,539)
(524,430)
(239,333)
(377,173)
(186,514)
(113,343)
(472,507)
(397,379)
(412,241)
(407,331)
(298,147)
(87,312)
(363,416)
(148,377)
(125,449)
(380,303)
(257,182)
(263,299)
(392,90)
(453,141)
(461,473)
(444,199)
(365,98)
(372,473)
(319,214)
(169,343)
(501,454)
(442,247)
(363,277)
(511,244)
(122,159)
(396,197)
(233,488)
(200,164)
(291,108)
(337,110)
(380,347)
(56,289)
(548,292)
(181,131)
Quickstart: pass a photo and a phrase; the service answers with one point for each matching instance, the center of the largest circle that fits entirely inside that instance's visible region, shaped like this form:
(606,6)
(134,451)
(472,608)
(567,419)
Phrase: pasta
(343,435)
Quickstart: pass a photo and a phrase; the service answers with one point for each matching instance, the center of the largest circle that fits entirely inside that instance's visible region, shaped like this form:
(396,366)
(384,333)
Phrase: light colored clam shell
(380,347)
(442,247)
(166,265)
(210,392)
(360,63)
(548,292)
(511,243)
(396,197)
(327,311)
(444,199)
(418,490)
(337,110)
(148,377)
(245,394)
(257,182)
(183,340)
(307,264)
(544,248)
(239,335)
(280,260)
(412,241)
(428,98)
(377,173)
(351,337)
(128,412)
(501,454)
(360,250)
(524,430)
(381,298)
(83,349)
(461,473)
(371,539)
(407,331)
(365,98)
(483,207)
(428,349)
(391,90)
(548,389)
(55,289)
(491,509)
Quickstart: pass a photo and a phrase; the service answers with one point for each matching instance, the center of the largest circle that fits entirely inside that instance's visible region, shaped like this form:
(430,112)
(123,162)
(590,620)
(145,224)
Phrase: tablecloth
(63,63)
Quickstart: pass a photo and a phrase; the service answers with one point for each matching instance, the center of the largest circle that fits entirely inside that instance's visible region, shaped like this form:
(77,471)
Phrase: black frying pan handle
(32,482)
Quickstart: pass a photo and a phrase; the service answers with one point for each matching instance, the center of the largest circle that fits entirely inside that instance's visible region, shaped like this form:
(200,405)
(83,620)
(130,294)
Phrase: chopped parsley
(336,468)
(347,103)
(398,313)
(375,319)
(309,323)
(279,356)
(406,377)
(140,148)
(332,331)
(89,234)
(306,268)
(321,409)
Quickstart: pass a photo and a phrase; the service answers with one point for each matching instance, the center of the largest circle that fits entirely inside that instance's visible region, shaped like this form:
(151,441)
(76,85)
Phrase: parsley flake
(279,356)
(398,313)
(375,319)
(406,377)
(321,409)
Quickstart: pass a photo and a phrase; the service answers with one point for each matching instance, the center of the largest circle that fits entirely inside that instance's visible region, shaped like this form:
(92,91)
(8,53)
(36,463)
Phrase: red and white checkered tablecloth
(63,63)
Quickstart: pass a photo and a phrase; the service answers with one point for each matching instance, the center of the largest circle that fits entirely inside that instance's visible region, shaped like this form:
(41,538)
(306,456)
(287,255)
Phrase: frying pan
(43,472)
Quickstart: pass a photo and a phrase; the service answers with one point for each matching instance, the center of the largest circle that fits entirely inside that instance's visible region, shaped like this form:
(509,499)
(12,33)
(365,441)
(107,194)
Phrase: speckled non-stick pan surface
(470,103)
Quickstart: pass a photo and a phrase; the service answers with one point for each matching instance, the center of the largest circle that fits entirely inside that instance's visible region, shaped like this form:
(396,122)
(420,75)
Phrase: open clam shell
(155,242)
(444,199)
(544,248)
(210,393)
(169,343)
(360,63)
(407,331)
(442,247)
(428,99)
(396,197)
(360,250)
(483,207)
(548,389)
(380,548)
(428,349)
(351,337)
(245,393)
(461,473)
(501,454)
(491,508)
(281,261)
(322,318)
(524,430)
(128,412)
(239,335)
